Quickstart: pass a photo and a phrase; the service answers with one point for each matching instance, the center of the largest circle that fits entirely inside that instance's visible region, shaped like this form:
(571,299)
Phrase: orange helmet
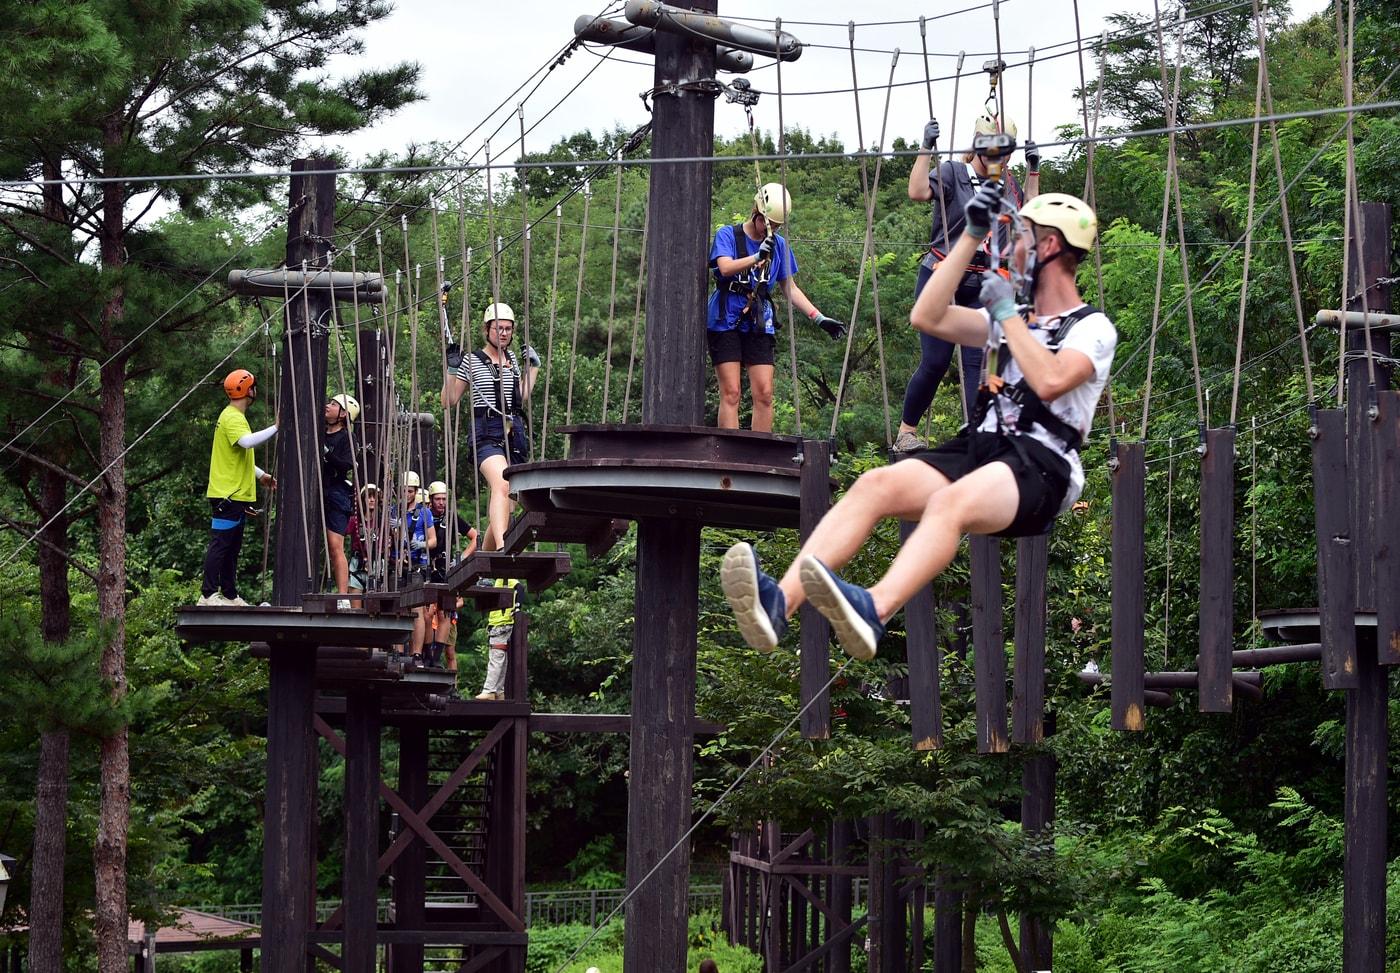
(238,383)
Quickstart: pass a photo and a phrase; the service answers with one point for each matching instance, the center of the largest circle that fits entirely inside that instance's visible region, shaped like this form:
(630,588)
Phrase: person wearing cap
(442,646)
(499,387)
(1010,472)
(363,531)
(415,540)
(232,489)
(747,260)
(948,188)
(337,492)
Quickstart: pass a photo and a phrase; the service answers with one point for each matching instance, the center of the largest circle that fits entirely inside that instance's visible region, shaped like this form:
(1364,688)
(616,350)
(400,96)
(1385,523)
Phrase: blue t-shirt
(417,524)
(733,242)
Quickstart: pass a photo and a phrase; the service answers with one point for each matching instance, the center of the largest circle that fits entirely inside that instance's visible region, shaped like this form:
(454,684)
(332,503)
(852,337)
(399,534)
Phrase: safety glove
(532,357)
(454,356)
(834,328)
(765,249)
(931,132)
(998,296)
(1032,158)
(982,209)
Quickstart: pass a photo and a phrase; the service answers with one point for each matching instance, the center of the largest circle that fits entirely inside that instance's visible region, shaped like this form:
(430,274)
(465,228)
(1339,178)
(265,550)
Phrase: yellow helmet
(436,487)
(498,312)
(1068,214)
(410,479)
(773,202)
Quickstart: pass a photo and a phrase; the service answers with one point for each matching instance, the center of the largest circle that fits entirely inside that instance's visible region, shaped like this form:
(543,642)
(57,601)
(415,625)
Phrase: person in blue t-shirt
(747,259)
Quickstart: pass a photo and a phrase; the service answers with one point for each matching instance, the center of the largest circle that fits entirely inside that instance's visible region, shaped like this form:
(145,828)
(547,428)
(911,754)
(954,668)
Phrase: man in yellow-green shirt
(500,624)
(233,480)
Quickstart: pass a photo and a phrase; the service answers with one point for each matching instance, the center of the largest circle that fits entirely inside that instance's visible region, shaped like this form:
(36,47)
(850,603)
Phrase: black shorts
(746,347)
(489,439)
(1042,477)
(340,500)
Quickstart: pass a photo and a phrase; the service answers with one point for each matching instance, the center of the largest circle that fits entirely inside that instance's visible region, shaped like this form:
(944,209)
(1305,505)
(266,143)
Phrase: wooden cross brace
(417,823)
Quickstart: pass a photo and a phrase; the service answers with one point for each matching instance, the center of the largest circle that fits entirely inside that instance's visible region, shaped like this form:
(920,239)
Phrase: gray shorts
(498,636)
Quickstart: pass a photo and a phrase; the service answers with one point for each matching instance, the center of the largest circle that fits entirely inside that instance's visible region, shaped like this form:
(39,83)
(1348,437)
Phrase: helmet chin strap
(1027,280)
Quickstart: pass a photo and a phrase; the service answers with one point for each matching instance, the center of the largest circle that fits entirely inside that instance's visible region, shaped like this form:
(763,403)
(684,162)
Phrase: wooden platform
(597,534)
(291,626)
(720,477)
(538,570)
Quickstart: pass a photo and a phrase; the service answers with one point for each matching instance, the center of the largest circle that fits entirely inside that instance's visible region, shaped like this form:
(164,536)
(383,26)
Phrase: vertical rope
(549,347)
(296,409)
(874,263)
(1254,525)
(1167,595)
(1355,221)
(1287,226)
(637,309)
(1092,193)
(525,241)
(612,286)
(783,176)
(1187,299)
(578,303)
(449,473)
(1249,221)
(466,333)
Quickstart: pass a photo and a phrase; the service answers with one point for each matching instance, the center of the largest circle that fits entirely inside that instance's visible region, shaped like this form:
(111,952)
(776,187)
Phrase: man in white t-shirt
(1009,473)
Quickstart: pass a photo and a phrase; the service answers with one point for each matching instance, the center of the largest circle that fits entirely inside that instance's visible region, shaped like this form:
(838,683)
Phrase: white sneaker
(209,601)
(237,602)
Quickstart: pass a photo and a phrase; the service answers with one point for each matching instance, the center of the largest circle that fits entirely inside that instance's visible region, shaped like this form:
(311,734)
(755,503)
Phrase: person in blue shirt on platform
(747,259)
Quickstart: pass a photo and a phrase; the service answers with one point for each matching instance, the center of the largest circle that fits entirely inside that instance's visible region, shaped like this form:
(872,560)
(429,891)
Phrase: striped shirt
(486,381)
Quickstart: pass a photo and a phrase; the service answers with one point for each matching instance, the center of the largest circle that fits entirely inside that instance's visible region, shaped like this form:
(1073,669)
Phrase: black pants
(225,541)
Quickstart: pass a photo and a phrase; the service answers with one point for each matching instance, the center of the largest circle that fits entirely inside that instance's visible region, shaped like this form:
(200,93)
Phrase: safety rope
(1167,588)
(578,304)
(549,347)
(337,338)
(637,307)
(467,351)
(1354,222)
(612,291)
(783,178)
(1249,221)
(528,386)
(874,262)
(449,431)
(296,405)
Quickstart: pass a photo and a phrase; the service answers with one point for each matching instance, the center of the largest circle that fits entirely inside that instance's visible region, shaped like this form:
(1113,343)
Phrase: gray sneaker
(908,442)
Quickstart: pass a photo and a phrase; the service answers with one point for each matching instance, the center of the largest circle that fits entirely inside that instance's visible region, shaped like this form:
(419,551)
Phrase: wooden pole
(360,950)
(816,630)
(925,663)
(1028,673)
(302,391)
(410,870)
(1336,583)
(1365,819)
(1217,618)
(668,551)
(1129,584)
(289,819)
(988,645)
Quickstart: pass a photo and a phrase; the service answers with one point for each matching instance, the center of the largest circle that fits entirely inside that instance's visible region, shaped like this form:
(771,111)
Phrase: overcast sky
(474,54)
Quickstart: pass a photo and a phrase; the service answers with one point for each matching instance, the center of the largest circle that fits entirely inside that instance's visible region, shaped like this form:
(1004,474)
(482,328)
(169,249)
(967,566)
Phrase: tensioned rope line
(526,255)
(724,795)
(1114,136)
(1173,100)
(549,347)
(1264,212)
(1353,223)
(578,307)
(612,291)
(132,445)
(1249,218)
(874,264)
(783,178)
(637,308)
(866,257)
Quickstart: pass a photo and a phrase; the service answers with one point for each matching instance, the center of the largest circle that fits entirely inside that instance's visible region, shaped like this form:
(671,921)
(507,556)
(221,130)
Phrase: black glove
(1032,157)
(454,356)
(532,357)
(833,328)
(931,133)
(982,209)
(765,249)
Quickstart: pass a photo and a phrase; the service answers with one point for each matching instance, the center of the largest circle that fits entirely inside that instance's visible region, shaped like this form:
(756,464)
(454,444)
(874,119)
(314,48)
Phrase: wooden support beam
(410,871)
(289,820)
(360,894)
(1129,584)
(539,570)
(1038,817)
(816,630)
(1336,582)
(1386,451)
(1028,673)
(1217,617)
(988,645)
(925,656)
(597,534)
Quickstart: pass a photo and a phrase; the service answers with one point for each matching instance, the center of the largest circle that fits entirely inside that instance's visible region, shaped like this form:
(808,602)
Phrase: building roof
(192,926)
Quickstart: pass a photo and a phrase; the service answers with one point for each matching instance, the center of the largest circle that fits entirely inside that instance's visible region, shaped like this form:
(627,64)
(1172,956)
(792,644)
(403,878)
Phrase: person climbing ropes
(1008,473)
(232,489)
(415,539)
(747,259)
(500,624)
(948,188)
(442,625)
(337,491)
(499,389)
(363,531)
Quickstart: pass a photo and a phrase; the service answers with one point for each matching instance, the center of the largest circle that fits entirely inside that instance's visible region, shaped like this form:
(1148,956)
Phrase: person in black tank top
(499,385)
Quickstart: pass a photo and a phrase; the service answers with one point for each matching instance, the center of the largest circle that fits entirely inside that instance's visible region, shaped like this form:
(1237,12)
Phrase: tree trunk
(972,904)
(114,808)
(51,796)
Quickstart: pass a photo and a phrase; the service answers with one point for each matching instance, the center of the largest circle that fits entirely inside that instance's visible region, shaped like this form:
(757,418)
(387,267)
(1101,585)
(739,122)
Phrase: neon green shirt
(230,465)
(504,616)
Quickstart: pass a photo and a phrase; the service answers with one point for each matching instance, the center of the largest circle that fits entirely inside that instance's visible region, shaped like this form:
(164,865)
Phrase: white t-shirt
(1093,336)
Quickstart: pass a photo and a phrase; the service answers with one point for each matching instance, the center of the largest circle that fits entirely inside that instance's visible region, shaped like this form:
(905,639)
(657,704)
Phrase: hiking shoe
(236,602)
(211,601)
(486,696)
(755,598)
(908,442)
(848,607)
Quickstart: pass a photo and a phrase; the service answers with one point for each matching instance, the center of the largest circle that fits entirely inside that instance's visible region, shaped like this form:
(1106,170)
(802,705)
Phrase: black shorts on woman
(489,438)
(1042,476)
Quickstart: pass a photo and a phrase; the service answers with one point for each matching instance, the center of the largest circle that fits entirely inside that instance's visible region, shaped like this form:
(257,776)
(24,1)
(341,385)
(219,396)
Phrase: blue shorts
(340,501)
(489,439)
